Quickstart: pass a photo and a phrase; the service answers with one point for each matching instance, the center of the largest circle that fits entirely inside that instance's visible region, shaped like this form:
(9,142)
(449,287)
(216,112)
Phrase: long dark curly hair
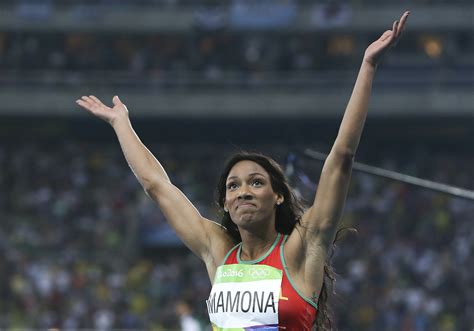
(288,214)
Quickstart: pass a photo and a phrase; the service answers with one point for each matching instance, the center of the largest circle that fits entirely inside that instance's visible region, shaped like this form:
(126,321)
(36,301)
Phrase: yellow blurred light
(432,46)
(341,45)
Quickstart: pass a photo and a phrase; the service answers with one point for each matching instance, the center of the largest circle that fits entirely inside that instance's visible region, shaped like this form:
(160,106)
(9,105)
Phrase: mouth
(246,205)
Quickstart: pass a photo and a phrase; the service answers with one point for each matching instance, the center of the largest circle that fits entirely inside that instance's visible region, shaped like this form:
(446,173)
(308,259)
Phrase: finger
(395,27)
(84,104)
(385,35)
(401,27)
(95,99)
(87,99)
(393,32)
(402,23)
(116,100)
(91,103)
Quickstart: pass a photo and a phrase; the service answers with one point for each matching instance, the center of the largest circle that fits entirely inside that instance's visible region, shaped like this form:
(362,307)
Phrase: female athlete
(267,259)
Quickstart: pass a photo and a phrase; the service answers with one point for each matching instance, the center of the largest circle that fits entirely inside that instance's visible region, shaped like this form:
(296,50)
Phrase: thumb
(117,101)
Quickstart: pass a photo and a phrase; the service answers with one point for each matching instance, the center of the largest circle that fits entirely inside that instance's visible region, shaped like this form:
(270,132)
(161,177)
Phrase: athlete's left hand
(376,50)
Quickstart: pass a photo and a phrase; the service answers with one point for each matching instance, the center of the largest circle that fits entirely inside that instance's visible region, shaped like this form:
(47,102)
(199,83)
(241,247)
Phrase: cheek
(268,198)
(228,200)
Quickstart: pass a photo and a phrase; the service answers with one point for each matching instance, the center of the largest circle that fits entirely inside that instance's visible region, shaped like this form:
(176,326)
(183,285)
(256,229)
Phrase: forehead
(245,168)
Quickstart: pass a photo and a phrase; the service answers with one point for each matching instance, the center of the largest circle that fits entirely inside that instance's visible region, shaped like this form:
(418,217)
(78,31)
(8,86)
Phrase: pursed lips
(245,204)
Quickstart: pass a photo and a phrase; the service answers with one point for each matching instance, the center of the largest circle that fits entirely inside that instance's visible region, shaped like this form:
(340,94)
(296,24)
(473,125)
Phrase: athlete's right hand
(94,106)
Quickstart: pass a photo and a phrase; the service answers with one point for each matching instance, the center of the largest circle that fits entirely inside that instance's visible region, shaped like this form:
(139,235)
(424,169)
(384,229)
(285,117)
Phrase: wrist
(119,121)
(369,64)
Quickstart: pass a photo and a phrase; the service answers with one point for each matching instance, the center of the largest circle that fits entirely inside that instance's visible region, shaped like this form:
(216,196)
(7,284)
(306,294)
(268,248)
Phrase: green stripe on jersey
(215,328)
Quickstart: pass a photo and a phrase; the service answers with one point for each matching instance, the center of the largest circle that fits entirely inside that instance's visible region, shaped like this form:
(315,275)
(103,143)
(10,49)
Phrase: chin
(245,219)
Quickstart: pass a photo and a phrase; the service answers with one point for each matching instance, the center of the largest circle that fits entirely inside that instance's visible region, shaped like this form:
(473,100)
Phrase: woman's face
(249,194)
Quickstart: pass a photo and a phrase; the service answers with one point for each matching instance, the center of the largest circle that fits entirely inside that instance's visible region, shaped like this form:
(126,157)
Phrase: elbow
(151,186)
(148,186)
(344,152)
(343,157)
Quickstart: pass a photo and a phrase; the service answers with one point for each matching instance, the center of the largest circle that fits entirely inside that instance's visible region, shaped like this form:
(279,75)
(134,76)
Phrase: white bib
(245,296)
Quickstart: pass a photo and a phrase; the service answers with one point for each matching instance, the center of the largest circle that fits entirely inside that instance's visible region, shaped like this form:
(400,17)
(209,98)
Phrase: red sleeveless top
(295,312)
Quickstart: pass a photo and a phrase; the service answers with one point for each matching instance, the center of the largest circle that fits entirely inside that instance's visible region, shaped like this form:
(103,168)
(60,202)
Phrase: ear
(280,199)
(225,207)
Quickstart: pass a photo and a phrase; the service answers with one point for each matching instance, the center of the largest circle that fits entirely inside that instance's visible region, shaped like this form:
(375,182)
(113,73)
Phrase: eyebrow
(250,175)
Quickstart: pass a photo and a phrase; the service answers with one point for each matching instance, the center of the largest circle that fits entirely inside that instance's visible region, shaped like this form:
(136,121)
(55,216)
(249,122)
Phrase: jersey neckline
(260,259)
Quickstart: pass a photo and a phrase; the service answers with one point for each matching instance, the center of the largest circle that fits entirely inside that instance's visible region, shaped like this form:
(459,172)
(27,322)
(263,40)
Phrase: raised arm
(195,231)
(321,220)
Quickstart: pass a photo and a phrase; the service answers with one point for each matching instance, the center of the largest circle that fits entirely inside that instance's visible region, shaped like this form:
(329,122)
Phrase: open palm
(389,38)
(94,106)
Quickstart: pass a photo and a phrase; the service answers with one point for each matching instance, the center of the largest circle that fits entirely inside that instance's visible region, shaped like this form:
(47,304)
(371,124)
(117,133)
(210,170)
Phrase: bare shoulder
(220,243)
(305,256)
(305,238)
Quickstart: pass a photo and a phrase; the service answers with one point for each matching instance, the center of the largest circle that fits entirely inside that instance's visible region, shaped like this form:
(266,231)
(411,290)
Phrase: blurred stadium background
(81,246)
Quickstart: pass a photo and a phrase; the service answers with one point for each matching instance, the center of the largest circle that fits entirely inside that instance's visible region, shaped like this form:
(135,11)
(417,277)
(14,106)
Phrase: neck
(254,245)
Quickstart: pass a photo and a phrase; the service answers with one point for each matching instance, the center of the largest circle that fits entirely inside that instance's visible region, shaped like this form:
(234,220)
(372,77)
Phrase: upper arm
(309,243)
(320,221)
(307,247)
(205,238)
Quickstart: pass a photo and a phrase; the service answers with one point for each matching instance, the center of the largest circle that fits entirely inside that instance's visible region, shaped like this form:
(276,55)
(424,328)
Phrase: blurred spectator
(185,312)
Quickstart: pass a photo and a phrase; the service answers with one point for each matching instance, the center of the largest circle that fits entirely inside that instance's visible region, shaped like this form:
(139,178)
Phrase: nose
(244,193)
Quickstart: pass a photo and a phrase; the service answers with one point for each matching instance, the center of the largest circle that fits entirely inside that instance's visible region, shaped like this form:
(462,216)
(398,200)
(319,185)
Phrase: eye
(257,182)
(231,186)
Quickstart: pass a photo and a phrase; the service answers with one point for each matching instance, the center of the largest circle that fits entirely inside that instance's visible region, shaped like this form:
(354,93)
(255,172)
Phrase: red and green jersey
(258,295)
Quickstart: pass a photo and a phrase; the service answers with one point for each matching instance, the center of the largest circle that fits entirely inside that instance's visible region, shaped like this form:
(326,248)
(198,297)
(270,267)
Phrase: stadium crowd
(74,219)
(81,246)
(209,52)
